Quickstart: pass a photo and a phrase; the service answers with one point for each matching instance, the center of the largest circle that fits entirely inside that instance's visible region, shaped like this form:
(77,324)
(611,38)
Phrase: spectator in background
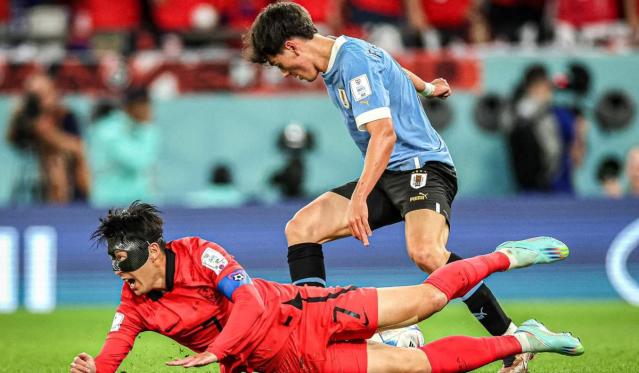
(518,20)
(591,22)
(241,13)
(547,142)
(609,177)
(112,24)
(632,171)
(5,12)
(381,20)
(440,22)
(220,192)
(124,147)
(185,15)
(47,135)
(328,15)
(631,11)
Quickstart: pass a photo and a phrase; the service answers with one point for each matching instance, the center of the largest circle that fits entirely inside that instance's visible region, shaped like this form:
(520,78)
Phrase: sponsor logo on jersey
(341,93)
(360,87)
(214,260)
(420,197)
(117,321)
(418,180)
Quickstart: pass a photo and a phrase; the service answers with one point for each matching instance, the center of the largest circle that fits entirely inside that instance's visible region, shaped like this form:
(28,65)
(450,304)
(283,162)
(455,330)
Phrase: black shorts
(431,187)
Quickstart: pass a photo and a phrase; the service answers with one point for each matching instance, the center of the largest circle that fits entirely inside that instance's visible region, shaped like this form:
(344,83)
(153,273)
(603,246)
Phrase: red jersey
(446,13)
(210,305)
(581,13)
(113,15)
(177,15)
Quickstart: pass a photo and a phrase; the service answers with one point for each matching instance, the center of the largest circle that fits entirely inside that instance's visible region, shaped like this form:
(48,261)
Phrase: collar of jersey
(336,46)
(170,274)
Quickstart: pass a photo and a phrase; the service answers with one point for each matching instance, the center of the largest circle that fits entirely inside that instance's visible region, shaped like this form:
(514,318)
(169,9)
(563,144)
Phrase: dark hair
(135,94)
(102,108)
(221,174)
(276,24)
(140,221)
(609,168)
(533,74)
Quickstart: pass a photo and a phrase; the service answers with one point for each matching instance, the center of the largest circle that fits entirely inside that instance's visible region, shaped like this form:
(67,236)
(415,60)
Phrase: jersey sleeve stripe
(371,115)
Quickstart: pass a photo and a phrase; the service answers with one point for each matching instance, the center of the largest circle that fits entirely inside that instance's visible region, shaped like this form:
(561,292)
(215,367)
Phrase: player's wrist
(219,355)
(428,91)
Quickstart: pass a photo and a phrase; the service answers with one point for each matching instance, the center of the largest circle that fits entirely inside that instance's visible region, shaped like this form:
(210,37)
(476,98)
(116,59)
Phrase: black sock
(485,308)
(306,264)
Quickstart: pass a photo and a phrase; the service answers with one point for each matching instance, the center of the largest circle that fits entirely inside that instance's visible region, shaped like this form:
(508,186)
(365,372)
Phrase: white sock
(524,342)
(511,329)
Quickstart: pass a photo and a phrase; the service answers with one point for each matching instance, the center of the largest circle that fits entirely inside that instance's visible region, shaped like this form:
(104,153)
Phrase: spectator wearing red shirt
(194,292)
(587,21)
(241,13)
(113,15)
(448,20)
(184,15)
(5,11)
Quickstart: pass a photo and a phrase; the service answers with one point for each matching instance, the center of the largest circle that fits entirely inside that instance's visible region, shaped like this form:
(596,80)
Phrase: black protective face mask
(137,254)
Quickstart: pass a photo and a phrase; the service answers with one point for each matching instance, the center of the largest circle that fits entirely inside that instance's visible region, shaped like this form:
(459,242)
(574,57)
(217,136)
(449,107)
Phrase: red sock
(461,354)
(458,278)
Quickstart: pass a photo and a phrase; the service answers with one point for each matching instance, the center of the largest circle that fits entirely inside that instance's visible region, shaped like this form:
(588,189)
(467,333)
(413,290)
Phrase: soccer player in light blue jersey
(408,171)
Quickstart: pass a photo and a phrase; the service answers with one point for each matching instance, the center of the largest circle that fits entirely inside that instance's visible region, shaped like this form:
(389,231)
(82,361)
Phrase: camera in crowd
(22,125)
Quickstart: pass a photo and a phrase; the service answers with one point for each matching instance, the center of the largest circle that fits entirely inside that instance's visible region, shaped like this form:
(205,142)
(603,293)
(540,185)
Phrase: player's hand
(201,359)
(83,363)
(442,89)
(357,218)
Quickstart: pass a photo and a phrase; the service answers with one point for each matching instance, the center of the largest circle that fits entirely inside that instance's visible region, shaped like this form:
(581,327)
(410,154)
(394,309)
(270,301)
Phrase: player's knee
(415,362)
(429,256)
(436,299)
(405,361)
(301,229)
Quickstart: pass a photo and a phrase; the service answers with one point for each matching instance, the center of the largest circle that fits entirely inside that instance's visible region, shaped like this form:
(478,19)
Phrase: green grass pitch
(47,343)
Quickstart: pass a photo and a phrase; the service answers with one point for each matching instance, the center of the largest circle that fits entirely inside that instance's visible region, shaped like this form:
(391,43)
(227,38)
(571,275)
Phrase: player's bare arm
(379,151)
(438,88)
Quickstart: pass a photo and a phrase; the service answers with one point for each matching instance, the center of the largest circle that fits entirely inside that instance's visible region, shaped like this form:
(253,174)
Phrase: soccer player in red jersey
(193,291)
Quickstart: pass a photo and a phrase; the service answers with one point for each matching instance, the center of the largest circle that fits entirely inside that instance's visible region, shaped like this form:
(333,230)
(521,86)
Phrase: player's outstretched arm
(437,88)
(83,363)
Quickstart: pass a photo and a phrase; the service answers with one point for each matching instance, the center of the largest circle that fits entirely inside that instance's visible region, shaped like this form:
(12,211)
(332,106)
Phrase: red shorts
(331,334)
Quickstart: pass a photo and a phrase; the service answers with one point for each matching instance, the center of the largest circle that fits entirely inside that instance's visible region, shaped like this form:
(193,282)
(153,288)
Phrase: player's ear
(154,251)
(292,46)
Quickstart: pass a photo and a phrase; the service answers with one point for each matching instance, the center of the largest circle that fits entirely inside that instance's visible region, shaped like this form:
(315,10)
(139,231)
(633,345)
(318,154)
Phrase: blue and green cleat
(540,339)
(536,250)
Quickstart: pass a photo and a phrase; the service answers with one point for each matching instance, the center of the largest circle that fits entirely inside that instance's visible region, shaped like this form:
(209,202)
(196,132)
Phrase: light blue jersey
(367,84)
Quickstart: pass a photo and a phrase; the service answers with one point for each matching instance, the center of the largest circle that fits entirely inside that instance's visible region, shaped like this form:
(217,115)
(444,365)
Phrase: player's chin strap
(137,250)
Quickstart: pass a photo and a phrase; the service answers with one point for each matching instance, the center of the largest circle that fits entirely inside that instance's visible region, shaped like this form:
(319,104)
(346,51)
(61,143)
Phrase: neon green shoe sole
(536,250)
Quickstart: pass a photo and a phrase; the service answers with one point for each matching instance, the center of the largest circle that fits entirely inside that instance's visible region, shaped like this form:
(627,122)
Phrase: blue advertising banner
(52,248)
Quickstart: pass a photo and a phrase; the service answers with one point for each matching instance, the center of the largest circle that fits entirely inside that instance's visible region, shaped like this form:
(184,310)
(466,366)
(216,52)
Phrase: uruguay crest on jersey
(418,180)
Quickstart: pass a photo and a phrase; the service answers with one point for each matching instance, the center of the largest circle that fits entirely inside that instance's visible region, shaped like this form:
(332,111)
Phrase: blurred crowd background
(104,102)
